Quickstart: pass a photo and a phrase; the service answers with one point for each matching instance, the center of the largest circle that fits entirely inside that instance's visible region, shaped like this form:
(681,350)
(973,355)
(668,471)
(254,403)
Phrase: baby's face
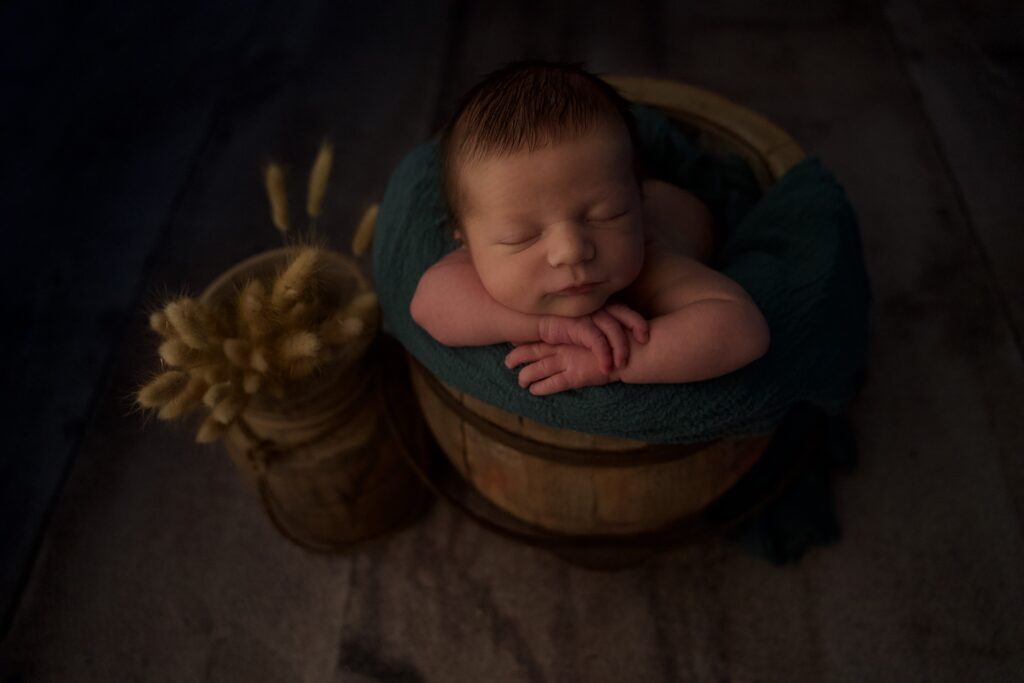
(558,230)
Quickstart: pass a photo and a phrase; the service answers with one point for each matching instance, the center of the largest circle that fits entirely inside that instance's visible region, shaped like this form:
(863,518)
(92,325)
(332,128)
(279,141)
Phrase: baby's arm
(704,325)
(451,304)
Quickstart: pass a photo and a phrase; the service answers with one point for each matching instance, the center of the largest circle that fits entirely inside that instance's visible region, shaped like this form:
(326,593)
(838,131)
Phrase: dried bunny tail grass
(175,352)
(318,176)
(253,312)
(187,399)
(298,346)
(351,328)
(227,410)
(187,318)
(159,323)
(237,352)
(302,314)
(364,231)
(217,393)
(210,430)
(295,279)
(363,305)
(162,388)
(340,330)
(213,373)
(273,178)
(258,360)
(252,382)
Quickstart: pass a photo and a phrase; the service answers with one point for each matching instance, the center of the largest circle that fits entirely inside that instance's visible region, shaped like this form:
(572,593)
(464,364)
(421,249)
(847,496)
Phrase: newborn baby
(595,273)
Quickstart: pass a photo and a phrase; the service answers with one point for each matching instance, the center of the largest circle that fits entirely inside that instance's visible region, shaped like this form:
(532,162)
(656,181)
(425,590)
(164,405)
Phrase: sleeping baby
(594,272)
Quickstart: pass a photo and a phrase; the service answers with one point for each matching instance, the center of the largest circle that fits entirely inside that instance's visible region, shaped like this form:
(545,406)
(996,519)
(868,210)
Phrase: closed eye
(610,218)
(519,241)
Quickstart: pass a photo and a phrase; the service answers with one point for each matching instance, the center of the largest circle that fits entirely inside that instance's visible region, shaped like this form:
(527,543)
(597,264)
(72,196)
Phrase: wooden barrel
(327,466)
(581,484)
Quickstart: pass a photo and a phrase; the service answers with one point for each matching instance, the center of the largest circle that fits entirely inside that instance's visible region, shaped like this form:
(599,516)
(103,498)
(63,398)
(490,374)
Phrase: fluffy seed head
(252,308)
(292,283)
(298,345)
(258,360)
(363,305)
(158,323)
(217,393)
(227,410)
(273,178)
(252,382)
(176,352)
(186,401)
(339,330)
(210,430)
(162,388)
(364,231)
(237,352)
(318,176)
(184,317)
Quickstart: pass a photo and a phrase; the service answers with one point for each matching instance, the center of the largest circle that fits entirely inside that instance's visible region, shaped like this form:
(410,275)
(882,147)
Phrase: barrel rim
(650,454)
(769,149)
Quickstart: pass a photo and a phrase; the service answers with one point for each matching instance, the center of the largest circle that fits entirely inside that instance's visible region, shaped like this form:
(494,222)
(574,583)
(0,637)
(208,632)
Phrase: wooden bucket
(329,470)
(583,485)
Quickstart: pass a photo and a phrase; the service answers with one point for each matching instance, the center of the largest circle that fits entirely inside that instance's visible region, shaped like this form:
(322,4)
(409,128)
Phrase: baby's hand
(601,332)
(554,368)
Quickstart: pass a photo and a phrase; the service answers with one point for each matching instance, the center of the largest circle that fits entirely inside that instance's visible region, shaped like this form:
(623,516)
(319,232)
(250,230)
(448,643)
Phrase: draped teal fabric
(796,249)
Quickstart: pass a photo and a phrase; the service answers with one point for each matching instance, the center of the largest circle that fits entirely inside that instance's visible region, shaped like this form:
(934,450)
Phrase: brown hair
(527,105)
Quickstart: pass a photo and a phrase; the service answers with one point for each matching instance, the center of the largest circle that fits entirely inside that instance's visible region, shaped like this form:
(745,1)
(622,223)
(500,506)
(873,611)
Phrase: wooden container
(327,467)
(578,484)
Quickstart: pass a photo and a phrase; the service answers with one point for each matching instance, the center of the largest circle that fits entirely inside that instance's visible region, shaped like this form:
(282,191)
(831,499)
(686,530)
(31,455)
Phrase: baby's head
(544,185)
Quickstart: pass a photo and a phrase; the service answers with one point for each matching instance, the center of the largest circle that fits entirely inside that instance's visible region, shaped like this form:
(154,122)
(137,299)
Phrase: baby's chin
(569,306)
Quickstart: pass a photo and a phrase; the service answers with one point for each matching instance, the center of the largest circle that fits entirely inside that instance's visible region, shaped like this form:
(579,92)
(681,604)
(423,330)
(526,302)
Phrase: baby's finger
(551,385)
(631,319)
(612,329)
(527,353)
(594,339)
(539,370)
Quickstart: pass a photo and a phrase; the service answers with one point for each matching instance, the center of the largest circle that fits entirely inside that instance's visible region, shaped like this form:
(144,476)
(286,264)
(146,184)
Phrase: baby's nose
(569,245)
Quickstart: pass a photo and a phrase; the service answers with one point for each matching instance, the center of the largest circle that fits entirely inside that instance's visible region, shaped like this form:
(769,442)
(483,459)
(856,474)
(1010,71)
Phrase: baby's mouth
(578,289)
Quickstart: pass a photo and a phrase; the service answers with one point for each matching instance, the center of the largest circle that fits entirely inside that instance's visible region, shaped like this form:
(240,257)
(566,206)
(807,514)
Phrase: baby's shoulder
(458,255)
(677,220)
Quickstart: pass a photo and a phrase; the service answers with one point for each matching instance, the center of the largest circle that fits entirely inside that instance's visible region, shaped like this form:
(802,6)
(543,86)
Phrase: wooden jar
(572,483)
(326,464)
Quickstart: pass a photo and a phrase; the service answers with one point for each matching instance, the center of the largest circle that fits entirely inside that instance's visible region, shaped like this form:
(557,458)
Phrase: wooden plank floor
(156,562)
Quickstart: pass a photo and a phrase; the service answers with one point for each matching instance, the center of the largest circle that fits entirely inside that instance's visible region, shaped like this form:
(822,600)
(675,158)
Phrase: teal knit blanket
(795,249)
